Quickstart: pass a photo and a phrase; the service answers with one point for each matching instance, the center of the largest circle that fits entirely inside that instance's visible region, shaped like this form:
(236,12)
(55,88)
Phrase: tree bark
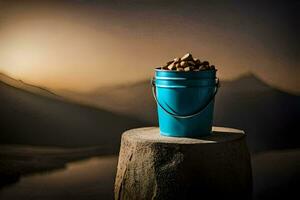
(152,166)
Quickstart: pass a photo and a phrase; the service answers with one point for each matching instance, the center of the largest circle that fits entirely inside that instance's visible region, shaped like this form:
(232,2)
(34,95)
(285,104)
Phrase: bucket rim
(182,78)
(166,82)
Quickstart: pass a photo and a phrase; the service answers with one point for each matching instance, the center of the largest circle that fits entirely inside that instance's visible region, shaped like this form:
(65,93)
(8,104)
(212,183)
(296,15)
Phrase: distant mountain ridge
(124,99)
(35,122)
(26,86)
(268,115)
(36,119)
(32,116)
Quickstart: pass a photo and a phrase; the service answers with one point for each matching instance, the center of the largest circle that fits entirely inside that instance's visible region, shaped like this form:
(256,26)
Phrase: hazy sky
(82,45)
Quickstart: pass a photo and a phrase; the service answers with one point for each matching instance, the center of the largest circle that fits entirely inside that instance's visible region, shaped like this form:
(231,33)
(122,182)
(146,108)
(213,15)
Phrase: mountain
(27,87)
(269,116)
(31,118)
(134,99)
(36,116)
(35,121)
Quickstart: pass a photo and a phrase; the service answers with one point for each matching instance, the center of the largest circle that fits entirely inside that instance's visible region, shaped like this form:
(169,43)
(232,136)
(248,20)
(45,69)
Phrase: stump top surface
(152,134)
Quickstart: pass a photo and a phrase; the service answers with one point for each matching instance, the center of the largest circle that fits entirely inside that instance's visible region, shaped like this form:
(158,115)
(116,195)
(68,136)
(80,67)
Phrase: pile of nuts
(187,63)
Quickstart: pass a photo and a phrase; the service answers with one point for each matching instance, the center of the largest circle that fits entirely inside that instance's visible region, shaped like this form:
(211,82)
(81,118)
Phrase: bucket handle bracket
(183,116)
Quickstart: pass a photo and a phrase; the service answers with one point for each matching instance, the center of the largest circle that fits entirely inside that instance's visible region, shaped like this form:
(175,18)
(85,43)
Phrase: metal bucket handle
(184,116)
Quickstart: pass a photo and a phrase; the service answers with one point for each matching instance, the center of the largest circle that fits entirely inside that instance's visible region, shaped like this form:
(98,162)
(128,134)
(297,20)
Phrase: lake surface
(275,174)
(87,179)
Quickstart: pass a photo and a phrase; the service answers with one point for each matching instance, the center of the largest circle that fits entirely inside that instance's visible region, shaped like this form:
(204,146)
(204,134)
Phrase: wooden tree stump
(152,166)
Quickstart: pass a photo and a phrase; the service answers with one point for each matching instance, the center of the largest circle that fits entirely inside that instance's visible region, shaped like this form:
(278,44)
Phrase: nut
(187,63)
(169,62)
(171,66)
(187,57)
(176,60)
(187,69)
(205,63)
(197,61)
(183,63)
(192,63)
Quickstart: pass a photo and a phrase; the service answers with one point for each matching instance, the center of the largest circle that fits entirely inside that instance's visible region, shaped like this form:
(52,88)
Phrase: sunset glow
(85,47)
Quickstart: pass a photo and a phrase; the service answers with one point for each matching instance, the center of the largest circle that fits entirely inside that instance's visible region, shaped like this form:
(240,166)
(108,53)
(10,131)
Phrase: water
(94,179)
(88,179)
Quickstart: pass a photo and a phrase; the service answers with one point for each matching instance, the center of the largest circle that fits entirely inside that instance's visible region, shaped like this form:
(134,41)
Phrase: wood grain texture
(152,166)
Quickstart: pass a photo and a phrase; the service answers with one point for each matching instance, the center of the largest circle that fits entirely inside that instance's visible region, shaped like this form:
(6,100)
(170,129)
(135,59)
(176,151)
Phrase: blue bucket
(185,101)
